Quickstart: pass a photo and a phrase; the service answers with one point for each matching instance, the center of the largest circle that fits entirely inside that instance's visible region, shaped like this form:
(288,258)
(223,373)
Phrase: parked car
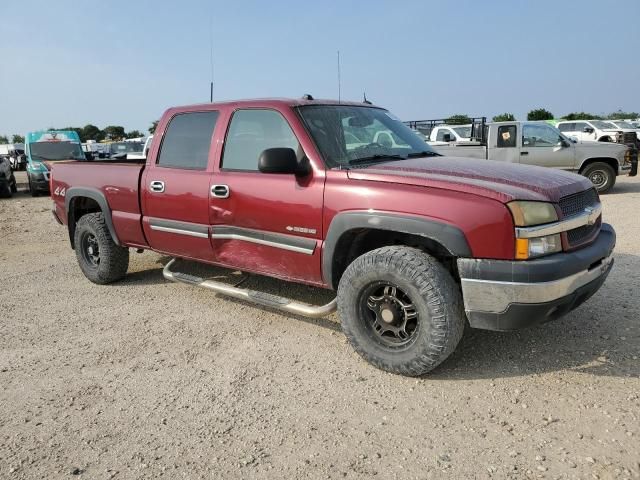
(538,143)
(45,148)
(142,154)
(8,184)
(121,150)
(451,133)
(15,153)
(590,130)
(625,126)
(414,243)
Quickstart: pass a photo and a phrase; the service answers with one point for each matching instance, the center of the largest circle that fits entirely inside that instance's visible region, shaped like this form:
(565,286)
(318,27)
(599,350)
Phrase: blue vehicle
(45,147)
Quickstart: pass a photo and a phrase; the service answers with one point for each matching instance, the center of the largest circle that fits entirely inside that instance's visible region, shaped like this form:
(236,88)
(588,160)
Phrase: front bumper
(508,295)
(40,181)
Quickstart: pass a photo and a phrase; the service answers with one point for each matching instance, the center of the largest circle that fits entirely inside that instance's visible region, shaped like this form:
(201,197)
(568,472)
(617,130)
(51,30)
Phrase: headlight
(528,214)
(538,246)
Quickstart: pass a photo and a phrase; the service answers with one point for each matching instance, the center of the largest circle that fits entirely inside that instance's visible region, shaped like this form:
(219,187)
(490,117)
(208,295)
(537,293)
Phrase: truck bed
(118,182)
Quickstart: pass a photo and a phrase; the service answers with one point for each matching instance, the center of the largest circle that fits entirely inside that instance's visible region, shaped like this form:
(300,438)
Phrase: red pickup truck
(346,197)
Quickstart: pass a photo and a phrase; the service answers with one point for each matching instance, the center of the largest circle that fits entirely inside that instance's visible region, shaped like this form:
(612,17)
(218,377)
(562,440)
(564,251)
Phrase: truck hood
(587,149)
(501,181)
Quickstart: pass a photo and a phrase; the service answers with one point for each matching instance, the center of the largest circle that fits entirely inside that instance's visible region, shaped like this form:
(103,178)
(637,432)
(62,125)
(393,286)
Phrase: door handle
(220,191)
(157,186)
(524,153)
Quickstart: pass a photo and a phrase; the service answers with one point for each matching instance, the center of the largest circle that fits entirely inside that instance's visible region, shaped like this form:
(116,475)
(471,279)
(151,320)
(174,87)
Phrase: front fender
(449,236)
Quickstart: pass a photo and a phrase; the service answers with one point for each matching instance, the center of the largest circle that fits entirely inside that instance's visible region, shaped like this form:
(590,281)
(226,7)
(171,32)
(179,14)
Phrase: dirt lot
(147,379)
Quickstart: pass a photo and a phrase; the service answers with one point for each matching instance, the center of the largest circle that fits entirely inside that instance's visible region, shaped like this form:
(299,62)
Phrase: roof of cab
(270,102)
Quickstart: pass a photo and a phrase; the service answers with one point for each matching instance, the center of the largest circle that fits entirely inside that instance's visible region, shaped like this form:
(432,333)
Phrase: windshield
(346,135)
(52,151)
(603,125)
(464,132)
(125,147)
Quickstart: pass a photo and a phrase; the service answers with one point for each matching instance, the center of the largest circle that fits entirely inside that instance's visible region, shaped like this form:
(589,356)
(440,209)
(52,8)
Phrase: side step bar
(261,298)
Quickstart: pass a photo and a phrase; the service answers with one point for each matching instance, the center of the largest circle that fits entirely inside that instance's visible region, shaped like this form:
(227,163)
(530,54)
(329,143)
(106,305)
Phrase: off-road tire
(434,293)
(14,187)
(113,259)
(600,170)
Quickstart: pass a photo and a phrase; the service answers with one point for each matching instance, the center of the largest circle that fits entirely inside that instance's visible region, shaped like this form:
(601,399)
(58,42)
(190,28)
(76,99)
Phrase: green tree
(91,132)
(153,127)
(539,114)
(458,119)
(135,134)
(620,115)
(17,138)
(581,116)
(505,117)
(3,139)
(114,132)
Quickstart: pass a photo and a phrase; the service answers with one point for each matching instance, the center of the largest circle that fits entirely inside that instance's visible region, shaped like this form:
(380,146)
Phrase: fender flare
(450,237)
(98,196)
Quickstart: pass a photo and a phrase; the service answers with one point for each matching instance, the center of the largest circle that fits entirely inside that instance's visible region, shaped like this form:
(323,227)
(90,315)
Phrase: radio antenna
(339,86)
(211,56)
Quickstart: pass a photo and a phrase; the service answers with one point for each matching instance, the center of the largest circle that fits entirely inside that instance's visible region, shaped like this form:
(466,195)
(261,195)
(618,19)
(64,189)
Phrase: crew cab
(415,244)
(538,143)
(591,130)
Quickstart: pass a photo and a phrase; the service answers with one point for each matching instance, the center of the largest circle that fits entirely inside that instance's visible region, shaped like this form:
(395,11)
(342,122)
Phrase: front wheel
(33,191)
(602,175)
(401,310)
(100,259)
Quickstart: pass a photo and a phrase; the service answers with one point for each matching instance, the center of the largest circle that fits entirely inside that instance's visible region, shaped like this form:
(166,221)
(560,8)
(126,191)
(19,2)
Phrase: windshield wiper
(376,158)
(424,153)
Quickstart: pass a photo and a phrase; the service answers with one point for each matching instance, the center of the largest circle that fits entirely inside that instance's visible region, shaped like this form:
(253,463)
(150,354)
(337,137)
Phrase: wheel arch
(82,200)
(612,162)
(354,233)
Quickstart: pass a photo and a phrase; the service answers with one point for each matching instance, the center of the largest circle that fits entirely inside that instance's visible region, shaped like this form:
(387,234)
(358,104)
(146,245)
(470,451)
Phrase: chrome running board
(261,298)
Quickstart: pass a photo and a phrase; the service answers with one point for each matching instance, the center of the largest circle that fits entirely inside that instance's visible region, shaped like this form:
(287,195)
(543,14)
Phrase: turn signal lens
(527,214)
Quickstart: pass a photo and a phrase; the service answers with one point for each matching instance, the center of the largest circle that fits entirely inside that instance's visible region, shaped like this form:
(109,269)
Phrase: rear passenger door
(506,145)
(175,189)
(265,222)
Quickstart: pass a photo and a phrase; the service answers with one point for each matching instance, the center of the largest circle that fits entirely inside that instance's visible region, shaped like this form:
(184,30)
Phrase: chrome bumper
(496,296)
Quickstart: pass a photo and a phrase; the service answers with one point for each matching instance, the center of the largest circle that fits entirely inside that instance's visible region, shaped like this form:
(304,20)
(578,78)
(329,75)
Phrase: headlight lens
(538,246)
(527,214)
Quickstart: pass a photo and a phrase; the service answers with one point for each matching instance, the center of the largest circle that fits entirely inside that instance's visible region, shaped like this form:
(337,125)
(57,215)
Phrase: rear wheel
(401,310)
(602,175)
(100,259)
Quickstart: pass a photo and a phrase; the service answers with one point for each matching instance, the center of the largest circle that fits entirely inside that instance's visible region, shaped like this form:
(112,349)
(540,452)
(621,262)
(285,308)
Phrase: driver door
(543,145)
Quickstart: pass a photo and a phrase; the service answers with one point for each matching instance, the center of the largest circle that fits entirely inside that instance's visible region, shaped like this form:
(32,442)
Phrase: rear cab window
(251,131)
(187,141)
(506,136)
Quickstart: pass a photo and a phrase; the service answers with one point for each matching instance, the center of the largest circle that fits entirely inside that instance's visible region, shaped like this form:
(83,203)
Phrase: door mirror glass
(587,130)
(447,138)
(278,160)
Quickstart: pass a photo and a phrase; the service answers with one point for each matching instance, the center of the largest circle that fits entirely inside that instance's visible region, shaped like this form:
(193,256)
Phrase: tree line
(91,132)
(544,114)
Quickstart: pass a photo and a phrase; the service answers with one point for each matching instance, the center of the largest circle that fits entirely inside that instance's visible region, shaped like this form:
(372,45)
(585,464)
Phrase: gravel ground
(149,379)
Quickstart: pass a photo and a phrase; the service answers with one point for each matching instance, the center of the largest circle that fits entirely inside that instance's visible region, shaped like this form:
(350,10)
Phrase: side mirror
(587,130)
(278,160)
(447,138)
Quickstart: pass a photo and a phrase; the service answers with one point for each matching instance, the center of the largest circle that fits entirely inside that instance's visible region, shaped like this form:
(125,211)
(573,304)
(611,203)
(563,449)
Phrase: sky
(69,63)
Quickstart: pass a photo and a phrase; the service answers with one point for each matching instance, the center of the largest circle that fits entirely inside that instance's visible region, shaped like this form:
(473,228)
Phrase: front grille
(574,204)
(583,234)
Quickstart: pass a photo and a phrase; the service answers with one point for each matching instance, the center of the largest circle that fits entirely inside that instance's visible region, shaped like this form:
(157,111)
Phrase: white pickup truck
(538,143)
(592,130)
(145,150)
(450,133)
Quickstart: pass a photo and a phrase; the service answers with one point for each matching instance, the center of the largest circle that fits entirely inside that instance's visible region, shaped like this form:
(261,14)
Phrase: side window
(567,127)
(579,127)
(251,132)
(506,136)
(538,135)
(441,133)
(187,140)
